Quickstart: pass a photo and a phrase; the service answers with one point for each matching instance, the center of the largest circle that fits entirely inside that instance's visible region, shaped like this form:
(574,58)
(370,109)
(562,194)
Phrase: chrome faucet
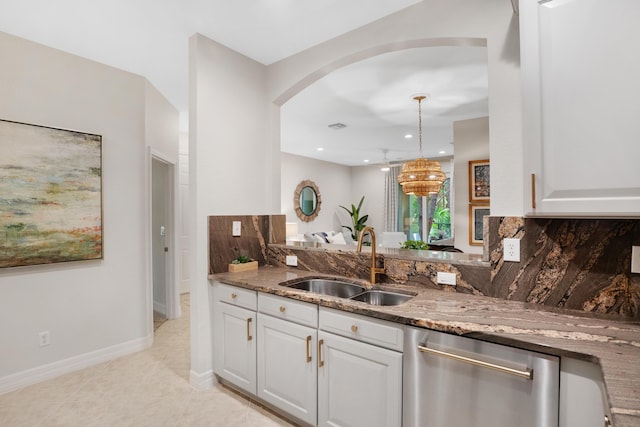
(374,269)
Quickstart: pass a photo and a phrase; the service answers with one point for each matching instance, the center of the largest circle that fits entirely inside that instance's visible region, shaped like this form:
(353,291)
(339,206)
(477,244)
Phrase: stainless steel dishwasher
(454,381)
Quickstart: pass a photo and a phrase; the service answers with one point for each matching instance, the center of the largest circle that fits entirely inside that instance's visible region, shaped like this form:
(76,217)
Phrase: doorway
(162,242)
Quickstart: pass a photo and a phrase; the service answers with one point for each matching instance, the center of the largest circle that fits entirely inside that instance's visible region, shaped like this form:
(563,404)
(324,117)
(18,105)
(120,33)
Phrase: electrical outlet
(446,278)
(45,339)
(292,260)
(236,228)
(511,250)
(635,259)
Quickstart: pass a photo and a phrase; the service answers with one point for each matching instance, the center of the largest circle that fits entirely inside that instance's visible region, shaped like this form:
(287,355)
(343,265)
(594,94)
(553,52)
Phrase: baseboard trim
(202,381)
(52,370)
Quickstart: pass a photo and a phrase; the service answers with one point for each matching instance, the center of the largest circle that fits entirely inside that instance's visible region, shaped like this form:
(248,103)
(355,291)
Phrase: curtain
(391,199)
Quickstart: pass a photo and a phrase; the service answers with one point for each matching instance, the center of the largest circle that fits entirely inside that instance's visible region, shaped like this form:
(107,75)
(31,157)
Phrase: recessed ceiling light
(366,160)
(320,149)
(337,126)
(408,136)
(441,152)
(385,169)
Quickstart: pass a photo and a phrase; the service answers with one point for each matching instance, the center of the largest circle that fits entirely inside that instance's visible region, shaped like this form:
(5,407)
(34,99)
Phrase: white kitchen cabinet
(581,102)
(359,384)
(287,367)
(234,333)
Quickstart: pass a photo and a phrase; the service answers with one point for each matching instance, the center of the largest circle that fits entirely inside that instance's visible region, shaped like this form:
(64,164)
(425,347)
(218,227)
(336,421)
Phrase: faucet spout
(374,270)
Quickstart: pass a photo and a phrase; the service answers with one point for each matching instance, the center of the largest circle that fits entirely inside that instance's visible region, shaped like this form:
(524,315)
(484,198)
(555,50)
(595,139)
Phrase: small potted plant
(242,263)
(415,244)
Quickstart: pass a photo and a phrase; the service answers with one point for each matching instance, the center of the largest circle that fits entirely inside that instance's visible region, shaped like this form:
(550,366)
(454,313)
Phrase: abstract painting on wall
(50,195)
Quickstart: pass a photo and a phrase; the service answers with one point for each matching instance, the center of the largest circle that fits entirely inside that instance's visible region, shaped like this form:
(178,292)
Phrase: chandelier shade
(421,176)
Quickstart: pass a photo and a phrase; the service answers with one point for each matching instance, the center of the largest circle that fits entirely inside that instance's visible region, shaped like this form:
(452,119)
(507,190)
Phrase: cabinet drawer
(236,296)
(288,309)
(361,328)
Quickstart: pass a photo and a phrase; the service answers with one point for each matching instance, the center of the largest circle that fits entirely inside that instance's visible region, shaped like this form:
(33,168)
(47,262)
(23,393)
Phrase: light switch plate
(635,259)
(292,260)
(236,228)
(511,250)
(446,278)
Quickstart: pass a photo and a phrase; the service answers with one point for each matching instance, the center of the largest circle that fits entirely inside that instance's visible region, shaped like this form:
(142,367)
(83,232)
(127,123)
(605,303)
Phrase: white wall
(94,310)
(231,166)
(333,181)
(471,142)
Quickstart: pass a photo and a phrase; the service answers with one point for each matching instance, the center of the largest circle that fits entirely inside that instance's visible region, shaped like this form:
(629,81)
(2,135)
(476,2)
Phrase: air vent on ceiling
(337,126)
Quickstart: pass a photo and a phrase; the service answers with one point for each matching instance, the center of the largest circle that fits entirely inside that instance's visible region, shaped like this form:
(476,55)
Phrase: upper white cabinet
(581,106)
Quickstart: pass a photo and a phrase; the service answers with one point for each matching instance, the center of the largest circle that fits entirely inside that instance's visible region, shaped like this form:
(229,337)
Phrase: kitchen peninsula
(607,341)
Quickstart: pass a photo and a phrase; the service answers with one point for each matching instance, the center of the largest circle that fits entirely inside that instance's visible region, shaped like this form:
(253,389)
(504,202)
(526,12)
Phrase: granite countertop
(612,343)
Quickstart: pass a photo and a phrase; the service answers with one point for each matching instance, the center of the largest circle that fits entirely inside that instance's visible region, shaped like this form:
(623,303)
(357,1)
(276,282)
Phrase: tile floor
(149,388)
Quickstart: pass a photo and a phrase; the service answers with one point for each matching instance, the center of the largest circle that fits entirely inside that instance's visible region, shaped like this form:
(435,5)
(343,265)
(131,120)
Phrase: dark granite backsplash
(257,231)
(581,264)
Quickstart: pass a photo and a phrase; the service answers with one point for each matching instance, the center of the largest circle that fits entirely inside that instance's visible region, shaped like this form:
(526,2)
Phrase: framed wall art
(50,195)
(476,215)
(479,183)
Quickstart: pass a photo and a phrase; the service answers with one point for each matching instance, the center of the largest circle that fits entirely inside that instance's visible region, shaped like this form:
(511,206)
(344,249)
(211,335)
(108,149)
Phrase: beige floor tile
(149,388)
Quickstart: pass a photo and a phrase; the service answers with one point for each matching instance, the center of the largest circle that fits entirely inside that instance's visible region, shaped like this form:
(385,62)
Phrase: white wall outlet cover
(446,278)
(635,259)
(511,250)
(236,228)
(292,260)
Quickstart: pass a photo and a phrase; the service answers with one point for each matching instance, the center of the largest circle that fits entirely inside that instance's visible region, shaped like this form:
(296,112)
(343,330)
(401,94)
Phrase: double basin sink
(350,291)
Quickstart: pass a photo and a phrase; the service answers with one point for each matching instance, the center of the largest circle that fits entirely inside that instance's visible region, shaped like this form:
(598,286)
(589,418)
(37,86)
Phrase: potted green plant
(414,244)
(242,263)
(358,222)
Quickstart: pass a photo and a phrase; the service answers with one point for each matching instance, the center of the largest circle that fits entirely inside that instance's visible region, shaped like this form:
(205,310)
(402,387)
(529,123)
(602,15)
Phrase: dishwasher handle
(522,373)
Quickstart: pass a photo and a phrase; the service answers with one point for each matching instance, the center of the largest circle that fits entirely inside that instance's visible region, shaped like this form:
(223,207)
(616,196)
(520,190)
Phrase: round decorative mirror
(306,200)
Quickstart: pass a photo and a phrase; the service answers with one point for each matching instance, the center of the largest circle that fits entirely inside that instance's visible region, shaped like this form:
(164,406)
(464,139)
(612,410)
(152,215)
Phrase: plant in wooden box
(415,244)
(242,263)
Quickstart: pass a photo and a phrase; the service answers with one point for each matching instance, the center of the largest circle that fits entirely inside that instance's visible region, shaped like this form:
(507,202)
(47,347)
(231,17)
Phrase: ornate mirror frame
(296,200)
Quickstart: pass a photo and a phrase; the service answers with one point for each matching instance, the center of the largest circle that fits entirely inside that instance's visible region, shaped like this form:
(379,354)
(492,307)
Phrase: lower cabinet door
(358,384)
(287,367)
(234,346)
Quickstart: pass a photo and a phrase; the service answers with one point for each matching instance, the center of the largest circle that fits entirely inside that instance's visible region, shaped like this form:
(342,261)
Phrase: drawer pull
(320,361)
(234,295)
(354,328)
(249,337)
(526,373)
(282,309)
(308,348)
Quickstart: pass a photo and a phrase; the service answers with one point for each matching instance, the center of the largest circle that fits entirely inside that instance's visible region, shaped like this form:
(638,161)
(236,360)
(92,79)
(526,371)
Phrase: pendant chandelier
(422,176)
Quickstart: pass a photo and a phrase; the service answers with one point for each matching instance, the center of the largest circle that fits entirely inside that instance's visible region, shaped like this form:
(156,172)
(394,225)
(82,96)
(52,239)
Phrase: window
(413,221)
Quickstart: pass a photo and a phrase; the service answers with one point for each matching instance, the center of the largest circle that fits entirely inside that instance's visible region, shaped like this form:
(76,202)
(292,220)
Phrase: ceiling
(373,97)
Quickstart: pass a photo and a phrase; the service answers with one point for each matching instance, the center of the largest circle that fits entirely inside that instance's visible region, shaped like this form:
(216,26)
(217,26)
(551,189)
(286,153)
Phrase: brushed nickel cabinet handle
(320,361)
(308,348)
(526,373)
(249,337)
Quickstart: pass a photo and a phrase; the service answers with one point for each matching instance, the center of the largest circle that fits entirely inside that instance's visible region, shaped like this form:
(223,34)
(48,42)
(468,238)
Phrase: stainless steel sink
(334,288)
(377,297)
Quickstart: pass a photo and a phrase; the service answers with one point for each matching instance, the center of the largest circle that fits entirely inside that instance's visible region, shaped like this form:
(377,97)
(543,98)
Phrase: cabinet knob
(282,309)
(234,296)
(354,328)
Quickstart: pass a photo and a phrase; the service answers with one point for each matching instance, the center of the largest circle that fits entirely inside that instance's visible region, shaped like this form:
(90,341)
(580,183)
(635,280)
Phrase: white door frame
(172,296)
